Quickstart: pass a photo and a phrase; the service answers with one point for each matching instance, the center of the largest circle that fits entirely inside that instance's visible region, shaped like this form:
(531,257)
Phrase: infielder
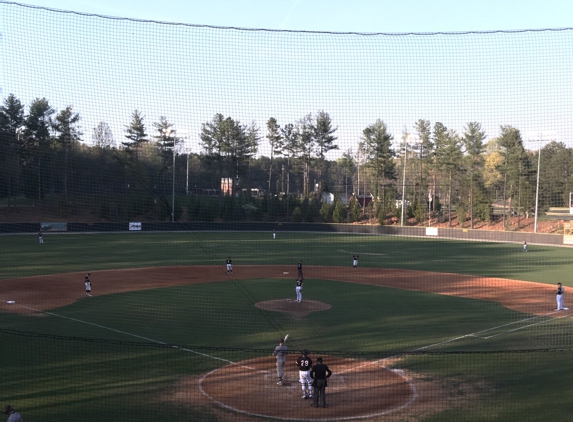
(298,289)
(524,246)
(559,298)
(299,268)
(304,364)
(229,266)
(88,284)
(355,261)
(280,352)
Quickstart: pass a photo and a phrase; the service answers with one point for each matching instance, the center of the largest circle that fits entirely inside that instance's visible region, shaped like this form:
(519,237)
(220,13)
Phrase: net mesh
(153,122)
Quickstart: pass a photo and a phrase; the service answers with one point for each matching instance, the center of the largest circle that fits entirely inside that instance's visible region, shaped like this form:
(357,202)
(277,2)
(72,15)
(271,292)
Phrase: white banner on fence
(134,226)
(568,239)
(431,231)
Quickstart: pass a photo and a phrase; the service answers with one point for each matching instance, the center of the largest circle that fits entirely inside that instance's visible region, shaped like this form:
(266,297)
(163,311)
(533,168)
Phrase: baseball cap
(319,360)
(281,340)
(7,409)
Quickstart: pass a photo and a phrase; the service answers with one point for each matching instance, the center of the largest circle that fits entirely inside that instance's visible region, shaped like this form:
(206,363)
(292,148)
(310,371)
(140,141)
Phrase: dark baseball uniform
(304,364)
(319,373)
(299,268)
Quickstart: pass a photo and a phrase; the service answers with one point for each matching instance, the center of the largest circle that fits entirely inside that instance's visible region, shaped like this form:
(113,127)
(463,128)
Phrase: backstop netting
(139,159)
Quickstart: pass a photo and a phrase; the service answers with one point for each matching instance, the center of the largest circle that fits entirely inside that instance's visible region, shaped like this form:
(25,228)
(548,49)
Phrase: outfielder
(40,237)
(355,261)
(229,266)
(304,364)
(298,289)
(559,298)
(280,352)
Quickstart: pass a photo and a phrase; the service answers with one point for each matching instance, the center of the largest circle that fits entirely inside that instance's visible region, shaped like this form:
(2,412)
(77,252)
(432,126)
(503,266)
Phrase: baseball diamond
(241,387)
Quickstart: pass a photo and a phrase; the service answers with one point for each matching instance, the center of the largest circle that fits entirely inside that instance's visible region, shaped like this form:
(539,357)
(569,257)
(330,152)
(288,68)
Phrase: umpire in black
(319,373)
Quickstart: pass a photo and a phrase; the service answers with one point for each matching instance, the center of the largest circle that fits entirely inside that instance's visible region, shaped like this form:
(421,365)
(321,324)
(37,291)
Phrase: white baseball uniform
(298,290)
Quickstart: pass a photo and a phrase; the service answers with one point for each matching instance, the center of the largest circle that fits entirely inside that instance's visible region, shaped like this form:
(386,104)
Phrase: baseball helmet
(7,409)
(304,352)
(281,340)
(319,360)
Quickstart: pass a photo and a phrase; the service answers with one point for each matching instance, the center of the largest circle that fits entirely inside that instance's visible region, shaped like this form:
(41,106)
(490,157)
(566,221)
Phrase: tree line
(47,160)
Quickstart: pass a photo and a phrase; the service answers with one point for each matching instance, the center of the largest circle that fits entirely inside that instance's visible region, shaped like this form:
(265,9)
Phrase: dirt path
(52,291)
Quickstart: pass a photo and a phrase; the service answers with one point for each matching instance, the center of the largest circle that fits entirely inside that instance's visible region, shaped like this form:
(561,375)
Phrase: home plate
(285,272)
(11,301)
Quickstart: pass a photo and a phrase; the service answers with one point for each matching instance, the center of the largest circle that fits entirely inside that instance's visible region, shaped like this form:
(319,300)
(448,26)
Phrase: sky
(339,15)
(107,68)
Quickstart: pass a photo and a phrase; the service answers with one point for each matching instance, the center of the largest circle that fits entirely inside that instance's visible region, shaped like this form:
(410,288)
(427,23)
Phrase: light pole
(406,138)
(540,140)
(537,190)
(173,187)
(167,132)
(404,179)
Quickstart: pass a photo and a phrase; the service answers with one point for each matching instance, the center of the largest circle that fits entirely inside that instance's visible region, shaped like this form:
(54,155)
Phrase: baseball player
(13,416)
(88,284)
(298,289)
(559,298)
(299,268)
(40,237)
(304,364)
(524,246)
(355,261)
(274,234)
(280,352)
(229,266)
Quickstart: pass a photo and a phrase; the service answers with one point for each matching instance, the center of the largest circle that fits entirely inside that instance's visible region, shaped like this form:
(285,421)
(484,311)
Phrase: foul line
(128,334)
(398,372)
(475,334)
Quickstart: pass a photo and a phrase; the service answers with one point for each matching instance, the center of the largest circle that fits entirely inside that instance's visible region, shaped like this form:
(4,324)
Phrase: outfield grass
(86,354)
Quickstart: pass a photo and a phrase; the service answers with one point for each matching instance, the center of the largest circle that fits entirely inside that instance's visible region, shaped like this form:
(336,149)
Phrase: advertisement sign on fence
(431,231)
(134,226)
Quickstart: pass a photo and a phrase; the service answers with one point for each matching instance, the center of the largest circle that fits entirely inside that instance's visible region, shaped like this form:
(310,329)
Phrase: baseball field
(423,330)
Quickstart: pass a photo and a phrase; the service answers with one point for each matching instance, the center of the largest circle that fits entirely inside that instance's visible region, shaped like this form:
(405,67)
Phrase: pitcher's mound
(291,306)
